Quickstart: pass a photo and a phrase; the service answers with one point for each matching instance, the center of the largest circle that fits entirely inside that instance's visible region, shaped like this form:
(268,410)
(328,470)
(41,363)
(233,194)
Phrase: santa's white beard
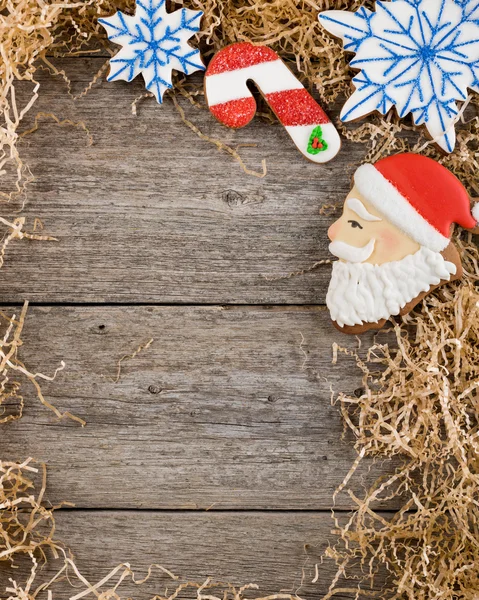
(365,293)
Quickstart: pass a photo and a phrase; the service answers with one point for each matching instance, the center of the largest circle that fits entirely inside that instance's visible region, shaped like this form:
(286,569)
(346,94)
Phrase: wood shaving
(140,348)
(26,525)
(219,144)
(313,267)
(11,366)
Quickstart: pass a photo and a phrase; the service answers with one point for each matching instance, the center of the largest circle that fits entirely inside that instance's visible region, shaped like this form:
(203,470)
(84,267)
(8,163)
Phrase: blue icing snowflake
(417,55)
(154,42)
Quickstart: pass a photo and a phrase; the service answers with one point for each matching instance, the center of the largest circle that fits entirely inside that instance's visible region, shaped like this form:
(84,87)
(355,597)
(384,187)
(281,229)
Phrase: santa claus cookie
(393,240)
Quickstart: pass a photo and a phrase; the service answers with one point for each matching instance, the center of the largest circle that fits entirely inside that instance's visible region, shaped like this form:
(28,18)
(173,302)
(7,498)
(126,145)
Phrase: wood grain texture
(224,409)
(230,407)
(151,213)
(277,551)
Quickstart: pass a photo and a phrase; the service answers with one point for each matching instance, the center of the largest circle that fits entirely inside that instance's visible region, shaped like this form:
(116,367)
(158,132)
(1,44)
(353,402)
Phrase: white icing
(358,207)
(271,76)
(300,135)
(352,253)
(365,293)
(475,211)
(419,56)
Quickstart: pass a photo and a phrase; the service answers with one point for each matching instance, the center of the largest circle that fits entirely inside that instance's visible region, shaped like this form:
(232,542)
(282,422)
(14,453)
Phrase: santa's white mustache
(352,253)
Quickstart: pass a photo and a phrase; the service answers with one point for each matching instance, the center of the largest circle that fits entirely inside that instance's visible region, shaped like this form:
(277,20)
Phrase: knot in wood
(233,198)
(154,389)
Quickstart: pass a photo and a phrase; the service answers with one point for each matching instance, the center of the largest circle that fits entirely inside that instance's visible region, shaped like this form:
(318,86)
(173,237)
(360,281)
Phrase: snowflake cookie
(417,55)
(154,42)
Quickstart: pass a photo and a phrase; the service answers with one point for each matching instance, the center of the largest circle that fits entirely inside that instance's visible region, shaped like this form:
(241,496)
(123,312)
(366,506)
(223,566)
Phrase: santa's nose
(332,231)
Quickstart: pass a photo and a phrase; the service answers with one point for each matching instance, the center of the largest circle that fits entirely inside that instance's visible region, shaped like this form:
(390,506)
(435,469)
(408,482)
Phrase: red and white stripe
(232,103)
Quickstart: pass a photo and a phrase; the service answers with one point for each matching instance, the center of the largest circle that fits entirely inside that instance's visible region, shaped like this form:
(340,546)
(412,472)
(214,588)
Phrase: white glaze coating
(271,76)
(300,136)
(358,207)
(352,253)
(365,293)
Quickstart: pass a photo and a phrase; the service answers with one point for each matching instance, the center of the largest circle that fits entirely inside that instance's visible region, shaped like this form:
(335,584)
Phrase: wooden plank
(151,213)
(224,409)
(277,551)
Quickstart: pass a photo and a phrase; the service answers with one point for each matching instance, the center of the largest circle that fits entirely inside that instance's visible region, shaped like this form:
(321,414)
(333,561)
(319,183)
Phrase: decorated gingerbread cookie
(393,240)
(232,103)
(417,55)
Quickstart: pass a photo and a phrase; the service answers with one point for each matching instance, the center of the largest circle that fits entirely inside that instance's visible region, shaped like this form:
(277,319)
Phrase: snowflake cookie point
(154,42)
(420,56)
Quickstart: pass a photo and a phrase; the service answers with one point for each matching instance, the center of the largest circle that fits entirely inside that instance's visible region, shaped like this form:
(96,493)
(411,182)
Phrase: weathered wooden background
(218,450)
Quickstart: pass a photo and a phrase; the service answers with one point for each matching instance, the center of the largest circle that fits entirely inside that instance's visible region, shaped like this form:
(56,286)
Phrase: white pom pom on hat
(419,196)
(475,212)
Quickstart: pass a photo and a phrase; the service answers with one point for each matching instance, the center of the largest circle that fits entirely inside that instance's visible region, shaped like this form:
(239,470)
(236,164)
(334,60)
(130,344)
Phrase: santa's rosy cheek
(389,240)
(333,230)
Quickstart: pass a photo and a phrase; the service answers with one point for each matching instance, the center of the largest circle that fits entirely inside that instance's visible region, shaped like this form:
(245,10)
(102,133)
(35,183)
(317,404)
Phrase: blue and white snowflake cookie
(154,42)
(420,56)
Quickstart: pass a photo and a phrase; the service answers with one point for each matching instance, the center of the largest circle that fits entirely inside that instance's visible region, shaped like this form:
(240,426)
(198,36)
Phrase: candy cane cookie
(232,103)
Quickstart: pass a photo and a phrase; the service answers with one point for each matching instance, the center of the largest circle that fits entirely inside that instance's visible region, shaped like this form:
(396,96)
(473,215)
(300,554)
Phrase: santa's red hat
(419,196)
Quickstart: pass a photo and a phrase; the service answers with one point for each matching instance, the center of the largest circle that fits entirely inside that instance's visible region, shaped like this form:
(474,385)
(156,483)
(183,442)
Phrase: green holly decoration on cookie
(316,142)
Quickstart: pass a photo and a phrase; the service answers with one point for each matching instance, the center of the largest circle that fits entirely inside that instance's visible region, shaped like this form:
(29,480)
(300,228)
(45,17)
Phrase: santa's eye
(355,224)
